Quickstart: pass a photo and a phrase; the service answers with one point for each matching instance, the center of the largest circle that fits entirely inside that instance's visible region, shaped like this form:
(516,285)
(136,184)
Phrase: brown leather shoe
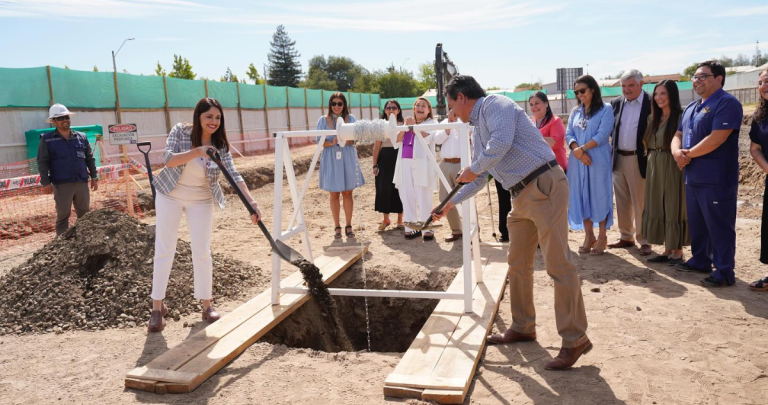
(210,314)
(157,320)
(454,237)
(645,250)
(621,243)
(511,336)
(568,356)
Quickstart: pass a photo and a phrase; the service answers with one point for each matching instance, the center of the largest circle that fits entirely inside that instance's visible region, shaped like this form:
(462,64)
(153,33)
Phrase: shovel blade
(287,253)
(419,226)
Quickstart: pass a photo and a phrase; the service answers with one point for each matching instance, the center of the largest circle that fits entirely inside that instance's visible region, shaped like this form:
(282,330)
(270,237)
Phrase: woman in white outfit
(188,183)
(415,178)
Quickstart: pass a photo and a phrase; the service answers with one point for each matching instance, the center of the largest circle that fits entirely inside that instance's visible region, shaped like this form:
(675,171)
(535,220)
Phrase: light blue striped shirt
(505,144)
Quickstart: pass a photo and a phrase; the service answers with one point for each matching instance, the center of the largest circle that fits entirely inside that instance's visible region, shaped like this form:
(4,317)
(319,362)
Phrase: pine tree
(159,70)
(95,69)
(284,66)
(229,76)
(253,74)
(181,68)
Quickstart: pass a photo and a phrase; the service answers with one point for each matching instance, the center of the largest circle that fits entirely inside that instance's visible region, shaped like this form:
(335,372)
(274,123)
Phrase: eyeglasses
(335,104)
(63,118)
(391,108)
(700,78)
(581,91)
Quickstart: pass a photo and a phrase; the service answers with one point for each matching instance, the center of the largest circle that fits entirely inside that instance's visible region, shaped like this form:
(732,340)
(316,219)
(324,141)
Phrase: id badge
(338,155)
(81,154)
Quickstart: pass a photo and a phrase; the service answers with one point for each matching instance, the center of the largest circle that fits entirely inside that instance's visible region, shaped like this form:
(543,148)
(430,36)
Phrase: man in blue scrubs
(707,146)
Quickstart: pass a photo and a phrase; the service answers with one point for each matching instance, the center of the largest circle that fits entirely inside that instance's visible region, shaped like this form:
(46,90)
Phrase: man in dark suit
(630,113)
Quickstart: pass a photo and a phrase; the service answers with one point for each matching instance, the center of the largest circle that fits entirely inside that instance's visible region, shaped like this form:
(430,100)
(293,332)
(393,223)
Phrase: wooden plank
(195,344)
(444,396)
(402,392)
(206,352)
(420,381)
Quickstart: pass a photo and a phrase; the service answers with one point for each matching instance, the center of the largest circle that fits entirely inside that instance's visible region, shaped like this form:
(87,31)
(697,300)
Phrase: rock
(595,289)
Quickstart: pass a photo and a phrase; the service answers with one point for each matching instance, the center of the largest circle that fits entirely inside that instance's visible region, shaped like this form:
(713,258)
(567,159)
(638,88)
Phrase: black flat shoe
(711,281)
(658,259)
(673,262)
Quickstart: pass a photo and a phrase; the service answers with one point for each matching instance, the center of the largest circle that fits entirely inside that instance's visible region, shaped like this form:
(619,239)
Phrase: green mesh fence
(252,96)
(295,97)
(224,92)
(78,89)
(28,87)
(184,93)
(140,91)
(314,98)
(24,87)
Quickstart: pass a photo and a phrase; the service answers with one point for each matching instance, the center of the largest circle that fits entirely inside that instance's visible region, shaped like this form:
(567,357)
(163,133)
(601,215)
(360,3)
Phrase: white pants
(200,220)
(417,200)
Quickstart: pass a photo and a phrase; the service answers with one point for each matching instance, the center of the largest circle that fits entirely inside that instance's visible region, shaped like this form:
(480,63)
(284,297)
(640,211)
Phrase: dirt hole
(394,322)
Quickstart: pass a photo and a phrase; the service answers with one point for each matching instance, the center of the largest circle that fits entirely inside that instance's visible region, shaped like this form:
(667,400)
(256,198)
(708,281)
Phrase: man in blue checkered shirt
(507,145)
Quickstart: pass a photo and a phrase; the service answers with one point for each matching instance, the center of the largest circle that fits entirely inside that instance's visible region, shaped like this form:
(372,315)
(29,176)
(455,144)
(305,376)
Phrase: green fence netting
(24,87)
(276,97)
(224,92)
(78,89)
(354,99)
(295,97)
(252,96)
(314,98)
(141,91)
(184,93)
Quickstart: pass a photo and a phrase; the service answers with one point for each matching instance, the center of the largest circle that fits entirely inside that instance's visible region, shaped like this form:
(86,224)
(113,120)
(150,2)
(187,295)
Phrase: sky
(500,43)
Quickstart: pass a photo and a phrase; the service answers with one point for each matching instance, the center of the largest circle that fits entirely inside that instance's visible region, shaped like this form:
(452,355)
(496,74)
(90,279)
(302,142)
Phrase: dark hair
(424,99)
(399,116)
(716,68)
(543,97)
(762,107)
(219,138)
(344,111)
(466,85)
(675,111)
(597,99)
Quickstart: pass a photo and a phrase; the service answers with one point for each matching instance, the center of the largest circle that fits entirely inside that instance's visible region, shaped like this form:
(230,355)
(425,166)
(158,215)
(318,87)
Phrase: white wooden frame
(297,224)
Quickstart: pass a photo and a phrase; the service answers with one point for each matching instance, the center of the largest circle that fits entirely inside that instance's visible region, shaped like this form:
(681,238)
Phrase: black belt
(517,188)
(626,152)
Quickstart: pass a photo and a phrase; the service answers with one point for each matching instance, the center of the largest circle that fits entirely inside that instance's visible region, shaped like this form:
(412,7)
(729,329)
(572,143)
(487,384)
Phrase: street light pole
(114,74)
(401,65)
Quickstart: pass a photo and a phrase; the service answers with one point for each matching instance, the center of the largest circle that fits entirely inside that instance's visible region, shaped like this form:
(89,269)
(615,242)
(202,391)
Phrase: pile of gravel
(98,275)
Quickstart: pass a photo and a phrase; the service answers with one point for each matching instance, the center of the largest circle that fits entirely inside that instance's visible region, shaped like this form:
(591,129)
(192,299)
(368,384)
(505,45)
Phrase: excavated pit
(394,322)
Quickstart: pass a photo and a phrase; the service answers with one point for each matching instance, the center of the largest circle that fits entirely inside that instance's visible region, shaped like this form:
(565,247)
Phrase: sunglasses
(64,118)
(582,91)
(700,78)
(335,104)
(391,108)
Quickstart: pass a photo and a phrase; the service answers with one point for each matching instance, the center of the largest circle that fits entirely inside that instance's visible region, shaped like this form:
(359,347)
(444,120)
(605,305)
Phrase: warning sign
(123,134)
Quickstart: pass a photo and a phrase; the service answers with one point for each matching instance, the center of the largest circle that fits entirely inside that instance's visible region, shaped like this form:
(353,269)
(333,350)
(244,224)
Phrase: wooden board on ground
(440,364)
(186,366)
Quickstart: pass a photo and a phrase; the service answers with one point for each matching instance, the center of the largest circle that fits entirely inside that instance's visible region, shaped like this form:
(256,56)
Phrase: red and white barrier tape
(34,180)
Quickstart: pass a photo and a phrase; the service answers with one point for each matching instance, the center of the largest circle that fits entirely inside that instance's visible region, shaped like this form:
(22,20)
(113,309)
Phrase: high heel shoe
(587,247)
(600,245)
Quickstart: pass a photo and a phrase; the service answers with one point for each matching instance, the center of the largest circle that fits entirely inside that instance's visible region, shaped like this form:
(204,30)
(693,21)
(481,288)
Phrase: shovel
(149,167)
(278,247)
(428,223)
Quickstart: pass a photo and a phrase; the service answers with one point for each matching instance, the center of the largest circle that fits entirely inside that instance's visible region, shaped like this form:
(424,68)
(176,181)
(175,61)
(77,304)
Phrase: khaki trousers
(450,171)
(629,187)
(65,195)
(540,216)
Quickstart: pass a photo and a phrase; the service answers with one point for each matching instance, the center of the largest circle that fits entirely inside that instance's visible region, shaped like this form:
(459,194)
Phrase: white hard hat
(57,110)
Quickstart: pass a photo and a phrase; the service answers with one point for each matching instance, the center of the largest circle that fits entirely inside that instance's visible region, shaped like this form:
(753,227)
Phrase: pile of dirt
(750,174)
(98,275)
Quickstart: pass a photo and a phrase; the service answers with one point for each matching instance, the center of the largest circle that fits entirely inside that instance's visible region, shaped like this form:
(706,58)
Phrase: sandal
(599,246)
(400,226)
(348,231)
(759,285)
(384,224)
(337,232)
(428,236)
(586,247)
(412,234)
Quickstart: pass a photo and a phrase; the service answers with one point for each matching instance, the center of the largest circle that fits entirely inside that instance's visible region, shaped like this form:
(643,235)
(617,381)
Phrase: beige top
(193,182)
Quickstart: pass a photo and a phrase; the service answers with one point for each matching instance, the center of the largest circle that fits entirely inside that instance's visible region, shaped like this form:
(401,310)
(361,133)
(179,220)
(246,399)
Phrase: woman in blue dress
(758,134)
(339,169)
(590,165)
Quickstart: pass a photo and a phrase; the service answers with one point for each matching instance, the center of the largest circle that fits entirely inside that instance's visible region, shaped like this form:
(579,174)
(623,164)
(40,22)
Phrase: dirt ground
(659,336)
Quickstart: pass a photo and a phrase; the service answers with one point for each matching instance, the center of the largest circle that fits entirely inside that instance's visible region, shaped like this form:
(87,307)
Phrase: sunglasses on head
(63,118)
(391,108)
(337,104)
(582,91)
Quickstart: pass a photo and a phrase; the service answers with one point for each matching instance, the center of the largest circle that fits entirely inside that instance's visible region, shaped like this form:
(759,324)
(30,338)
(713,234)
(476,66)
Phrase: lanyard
(697,109)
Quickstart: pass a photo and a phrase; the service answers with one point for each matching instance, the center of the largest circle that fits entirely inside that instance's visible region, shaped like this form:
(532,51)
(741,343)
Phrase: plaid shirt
(180,141)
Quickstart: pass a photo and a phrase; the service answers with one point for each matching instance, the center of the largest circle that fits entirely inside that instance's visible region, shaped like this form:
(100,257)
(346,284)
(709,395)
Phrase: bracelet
(375,166)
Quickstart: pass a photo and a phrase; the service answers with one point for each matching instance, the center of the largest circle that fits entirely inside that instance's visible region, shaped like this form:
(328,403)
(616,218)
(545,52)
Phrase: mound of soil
(750,173)
(98,275)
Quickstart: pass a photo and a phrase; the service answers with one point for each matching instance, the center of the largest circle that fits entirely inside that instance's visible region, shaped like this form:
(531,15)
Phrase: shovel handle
(146,143)
(444,202)
(149,166)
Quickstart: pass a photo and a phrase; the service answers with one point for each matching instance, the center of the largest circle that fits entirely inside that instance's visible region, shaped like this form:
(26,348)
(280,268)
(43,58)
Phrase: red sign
(122,128)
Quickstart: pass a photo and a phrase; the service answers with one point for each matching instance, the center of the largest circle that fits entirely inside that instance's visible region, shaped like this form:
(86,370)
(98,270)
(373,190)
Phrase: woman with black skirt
(384,161)
(758,134)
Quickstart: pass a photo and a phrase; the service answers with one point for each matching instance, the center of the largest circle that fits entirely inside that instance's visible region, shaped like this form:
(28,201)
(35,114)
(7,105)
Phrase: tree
(284,65)
(742,60)
(229,76)
(340,70)
(159,71)
(492,88)
(367,83)
(253,74)
(95,69)
(616,76)
(66,67)
(530,86)
(426,75)
(397,84)
(181,68)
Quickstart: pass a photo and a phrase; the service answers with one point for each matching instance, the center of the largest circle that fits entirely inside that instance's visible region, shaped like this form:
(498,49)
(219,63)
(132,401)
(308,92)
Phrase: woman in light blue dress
(339,168)
(590,165)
